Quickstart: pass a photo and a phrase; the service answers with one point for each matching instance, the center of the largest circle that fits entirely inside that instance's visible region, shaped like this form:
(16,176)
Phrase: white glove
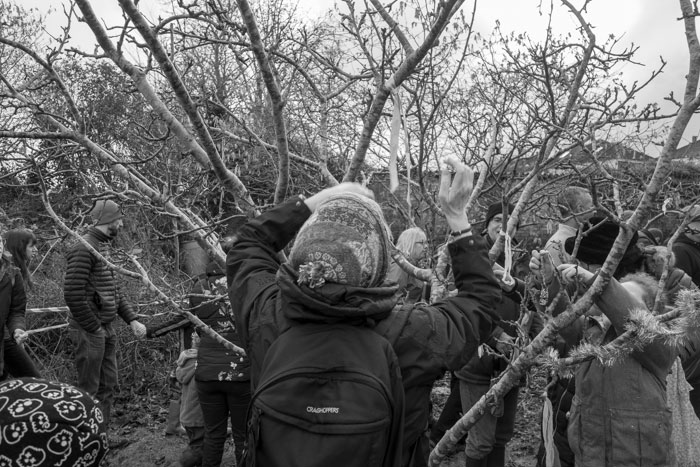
(20,336)
(138,329)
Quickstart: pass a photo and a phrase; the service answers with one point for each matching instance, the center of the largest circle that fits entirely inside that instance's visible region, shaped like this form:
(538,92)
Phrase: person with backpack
(340,374)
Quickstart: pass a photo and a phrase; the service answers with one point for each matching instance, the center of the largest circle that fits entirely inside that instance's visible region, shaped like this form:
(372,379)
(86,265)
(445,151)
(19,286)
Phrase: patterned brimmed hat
(44,423)
(345,241)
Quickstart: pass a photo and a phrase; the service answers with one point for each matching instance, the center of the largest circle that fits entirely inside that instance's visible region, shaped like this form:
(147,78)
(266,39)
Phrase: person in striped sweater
(94,299)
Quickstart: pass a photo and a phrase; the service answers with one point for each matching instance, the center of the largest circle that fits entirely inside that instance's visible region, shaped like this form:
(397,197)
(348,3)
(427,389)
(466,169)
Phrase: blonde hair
(409,240)
(407,244)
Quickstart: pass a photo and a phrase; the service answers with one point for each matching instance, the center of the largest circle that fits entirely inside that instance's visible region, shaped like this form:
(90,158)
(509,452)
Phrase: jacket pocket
(586,434)
(640,437)
(573,429)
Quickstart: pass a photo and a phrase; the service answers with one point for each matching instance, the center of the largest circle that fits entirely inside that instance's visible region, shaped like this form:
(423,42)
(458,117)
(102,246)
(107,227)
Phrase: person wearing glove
(268,297)
(619,415)
(94,299)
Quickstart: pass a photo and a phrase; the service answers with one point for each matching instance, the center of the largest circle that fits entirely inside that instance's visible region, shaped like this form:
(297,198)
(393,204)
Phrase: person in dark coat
(619,415)
(21,244)
(347,285)
(487,439)
(222,376)
(687,252)
(94,299)
(13,302)
(597,240)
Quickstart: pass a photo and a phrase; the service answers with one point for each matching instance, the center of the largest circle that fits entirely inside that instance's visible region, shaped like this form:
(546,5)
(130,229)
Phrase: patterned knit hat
(345,241)
(43,423)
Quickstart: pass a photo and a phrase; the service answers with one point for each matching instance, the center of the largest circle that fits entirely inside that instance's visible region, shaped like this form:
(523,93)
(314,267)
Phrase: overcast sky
(650,24)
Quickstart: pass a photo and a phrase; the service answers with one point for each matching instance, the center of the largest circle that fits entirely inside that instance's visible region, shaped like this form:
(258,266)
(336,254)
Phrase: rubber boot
(172,426)
(496,458)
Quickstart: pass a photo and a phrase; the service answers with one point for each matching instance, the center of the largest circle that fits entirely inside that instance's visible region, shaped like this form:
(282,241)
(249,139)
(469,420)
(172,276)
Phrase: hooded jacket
(190,411)
(428,340)
(90,289)
(687,254)
(619,416)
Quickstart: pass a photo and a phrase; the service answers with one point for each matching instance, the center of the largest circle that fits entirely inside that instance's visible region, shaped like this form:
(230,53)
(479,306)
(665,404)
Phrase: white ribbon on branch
(508,261)
(394,142)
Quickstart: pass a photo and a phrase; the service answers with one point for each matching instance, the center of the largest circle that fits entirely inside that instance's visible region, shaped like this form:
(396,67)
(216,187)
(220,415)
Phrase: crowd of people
(342,348)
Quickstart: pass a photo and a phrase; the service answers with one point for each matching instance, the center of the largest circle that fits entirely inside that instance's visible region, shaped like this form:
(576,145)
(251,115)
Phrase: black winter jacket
(90,289)
(480,370)
(428,340)
(214,361)
(13,302)
(687,254)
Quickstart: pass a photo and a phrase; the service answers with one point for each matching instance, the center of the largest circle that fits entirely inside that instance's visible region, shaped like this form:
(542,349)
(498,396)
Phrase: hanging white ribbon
(551,452)
(394,142)
(407,157)
(508,262)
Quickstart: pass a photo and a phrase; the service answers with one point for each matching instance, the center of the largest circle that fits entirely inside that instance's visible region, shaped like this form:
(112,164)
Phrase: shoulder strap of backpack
(390,328)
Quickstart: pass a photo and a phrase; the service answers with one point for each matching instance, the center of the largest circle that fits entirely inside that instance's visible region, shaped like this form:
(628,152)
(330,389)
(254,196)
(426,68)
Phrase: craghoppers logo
(322,409)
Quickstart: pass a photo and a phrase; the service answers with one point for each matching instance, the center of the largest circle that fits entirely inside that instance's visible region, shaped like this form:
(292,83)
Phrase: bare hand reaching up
(454,192)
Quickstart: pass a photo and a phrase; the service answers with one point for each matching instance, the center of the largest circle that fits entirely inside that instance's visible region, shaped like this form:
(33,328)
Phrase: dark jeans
(96,363)
(491,432)
(221,401)
(18,363)
(451,412)
(195,437)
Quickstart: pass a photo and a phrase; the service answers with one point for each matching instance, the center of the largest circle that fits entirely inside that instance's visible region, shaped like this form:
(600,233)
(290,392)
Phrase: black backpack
(329,395)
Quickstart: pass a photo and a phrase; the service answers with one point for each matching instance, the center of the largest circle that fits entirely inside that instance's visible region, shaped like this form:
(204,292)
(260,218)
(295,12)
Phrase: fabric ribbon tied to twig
(508,262)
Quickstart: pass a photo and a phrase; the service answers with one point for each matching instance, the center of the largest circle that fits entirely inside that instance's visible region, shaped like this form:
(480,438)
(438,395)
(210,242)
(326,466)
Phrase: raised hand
(454,192)
(541,266)
(570,273)
(500,272)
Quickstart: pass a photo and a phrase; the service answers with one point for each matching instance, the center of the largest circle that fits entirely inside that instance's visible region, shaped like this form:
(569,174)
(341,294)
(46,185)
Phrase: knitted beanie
(494,209)
(345,241)
(105,211)
(596,245)
(43,423)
